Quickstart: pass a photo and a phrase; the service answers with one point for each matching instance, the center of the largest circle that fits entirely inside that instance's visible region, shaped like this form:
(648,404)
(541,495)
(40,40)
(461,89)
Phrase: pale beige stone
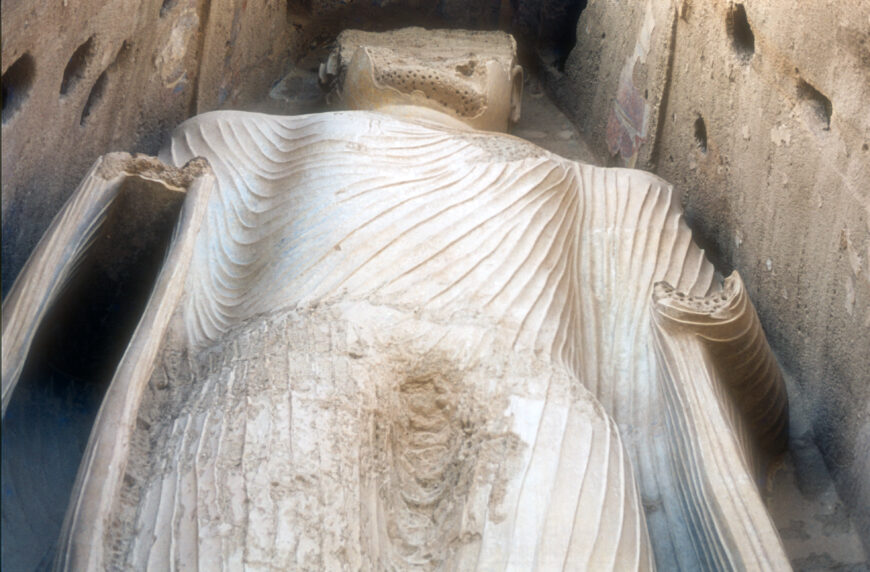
(398,342)
(471,76)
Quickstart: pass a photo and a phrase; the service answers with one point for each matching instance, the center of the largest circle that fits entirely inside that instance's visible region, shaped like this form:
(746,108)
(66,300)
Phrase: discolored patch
(442,454)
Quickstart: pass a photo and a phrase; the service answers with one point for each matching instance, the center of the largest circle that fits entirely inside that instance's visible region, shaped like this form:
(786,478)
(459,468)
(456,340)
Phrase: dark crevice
(564,30)
(701,134)
(549,26)
(77,66)
(742,38)
(298,11)
(821,106)
(96,95)
(77,347)
(167,7)
(17,81)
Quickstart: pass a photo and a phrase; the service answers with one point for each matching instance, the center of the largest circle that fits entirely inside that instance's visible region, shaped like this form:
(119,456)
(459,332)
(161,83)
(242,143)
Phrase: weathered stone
(472,76)
(758,111)
(388,339)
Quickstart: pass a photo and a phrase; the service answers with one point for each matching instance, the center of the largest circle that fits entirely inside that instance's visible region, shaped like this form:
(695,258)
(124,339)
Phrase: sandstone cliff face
(757,111)
(84,78)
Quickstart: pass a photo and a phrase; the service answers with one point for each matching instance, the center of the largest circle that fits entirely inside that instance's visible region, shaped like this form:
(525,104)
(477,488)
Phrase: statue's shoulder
(228,118)
(371,135)
(347,123)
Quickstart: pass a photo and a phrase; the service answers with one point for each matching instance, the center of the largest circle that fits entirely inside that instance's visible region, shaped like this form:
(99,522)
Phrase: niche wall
(757,112)
(84,78)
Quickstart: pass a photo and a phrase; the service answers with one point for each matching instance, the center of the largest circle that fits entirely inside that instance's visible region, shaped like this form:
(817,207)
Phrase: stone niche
(756,111)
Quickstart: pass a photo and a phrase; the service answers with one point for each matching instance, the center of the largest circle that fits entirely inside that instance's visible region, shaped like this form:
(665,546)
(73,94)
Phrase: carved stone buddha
(392,337)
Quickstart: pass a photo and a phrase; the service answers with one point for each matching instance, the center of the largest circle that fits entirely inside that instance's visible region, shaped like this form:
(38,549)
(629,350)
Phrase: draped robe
(401,344)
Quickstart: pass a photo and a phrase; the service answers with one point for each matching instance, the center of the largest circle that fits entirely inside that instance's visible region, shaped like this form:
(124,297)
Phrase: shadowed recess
(77,65)
(96,95)
(742,37)
(818,103)
(17,81)
(701,134)
(70,365)
(167,7)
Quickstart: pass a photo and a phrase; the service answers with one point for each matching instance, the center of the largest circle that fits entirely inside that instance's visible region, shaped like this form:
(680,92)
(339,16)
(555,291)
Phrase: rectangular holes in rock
(17,81)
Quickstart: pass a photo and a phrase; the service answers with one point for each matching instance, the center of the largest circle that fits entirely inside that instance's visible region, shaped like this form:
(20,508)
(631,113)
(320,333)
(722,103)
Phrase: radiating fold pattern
(727,415)
(405,345)
(457,226)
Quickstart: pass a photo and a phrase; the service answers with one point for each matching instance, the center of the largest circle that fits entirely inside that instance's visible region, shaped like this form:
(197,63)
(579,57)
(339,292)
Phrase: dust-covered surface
(324,438)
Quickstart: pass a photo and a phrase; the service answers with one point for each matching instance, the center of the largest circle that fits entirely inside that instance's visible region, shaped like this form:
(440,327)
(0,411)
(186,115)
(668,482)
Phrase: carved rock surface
(727,413)
(472,76)
(406,345)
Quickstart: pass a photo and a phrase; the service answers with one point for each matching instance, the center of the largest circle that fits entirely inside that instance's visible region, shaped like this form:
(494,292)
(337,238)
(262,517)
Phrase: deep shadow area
(94,97)
(75,352)
(738,28)
(701,134)
(546,30)
(819,103)
(16,83)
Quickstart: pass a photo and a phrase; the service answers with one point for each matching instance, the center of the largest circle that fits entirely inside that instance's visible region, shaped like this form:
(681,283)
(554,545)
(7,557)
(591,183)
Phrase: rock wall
(758,113)
(84,78)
